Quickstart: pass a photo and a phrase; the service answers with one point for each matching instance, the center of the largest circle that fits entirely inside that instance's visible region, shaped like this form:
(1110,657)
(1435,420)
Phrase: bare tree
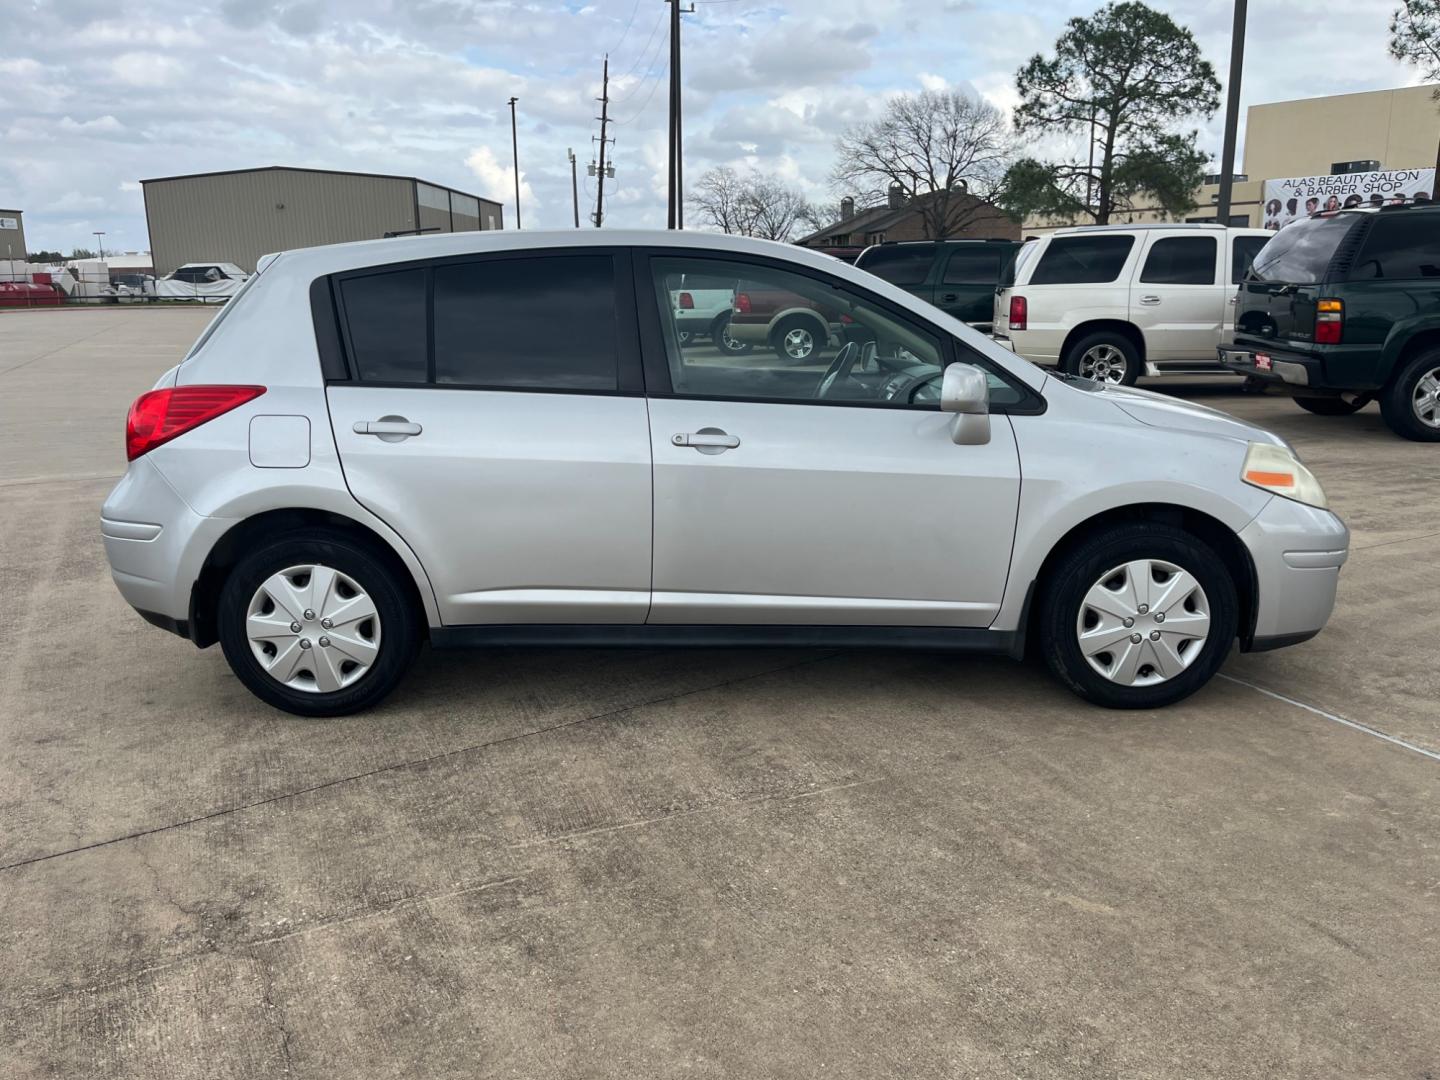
(753,204)
(946,150)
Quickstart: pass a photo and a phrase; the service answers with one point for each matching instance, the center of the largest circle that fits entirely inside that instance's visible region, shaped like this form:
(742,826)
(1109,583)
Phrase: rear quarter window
(1401,246)
(1082,260)
(1301,252)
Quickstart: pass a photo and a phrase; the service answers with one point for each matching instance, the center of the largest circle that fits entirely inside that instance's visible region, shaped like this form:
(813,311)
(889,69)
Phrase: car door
(783,499)
(1177,299)
(495,419)
(908,266)
(968,279)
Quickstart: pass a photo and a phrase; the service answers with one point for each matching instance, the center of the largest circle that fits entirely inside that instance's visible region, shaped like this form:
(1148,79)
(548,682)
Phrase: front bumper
(1297,552)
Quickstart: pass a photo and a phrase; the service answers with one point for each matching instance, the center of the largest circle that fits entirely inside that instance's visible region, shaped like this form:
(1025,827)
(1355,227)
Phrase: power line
(651,66)
(646,47)
(628,23)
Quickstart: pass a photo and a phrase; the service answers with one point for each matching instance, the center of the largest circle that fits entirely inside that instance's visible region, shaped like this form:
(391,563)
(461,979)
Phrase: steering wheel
(840,368)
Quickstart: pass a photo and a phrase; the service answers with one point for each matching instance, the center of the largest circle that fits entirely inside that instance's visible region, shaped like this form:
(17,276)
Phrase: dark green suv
(1343,309)
(957,276)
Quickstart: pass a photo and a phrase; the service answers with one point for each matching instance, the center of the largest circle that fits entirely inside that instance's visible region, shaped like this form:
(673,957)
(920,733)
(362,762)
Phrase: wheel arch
(1129,330)
(808,314)
(246,534)
(1221,539)
(1402,349)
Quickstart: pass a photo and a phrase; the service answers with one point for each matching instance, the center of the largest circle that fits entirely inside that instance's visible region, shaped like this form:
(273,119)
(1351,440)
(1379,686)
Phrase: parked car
(1116,302)
(701,307)
(797,328)
(1342,309)
(957,276)
(388,441)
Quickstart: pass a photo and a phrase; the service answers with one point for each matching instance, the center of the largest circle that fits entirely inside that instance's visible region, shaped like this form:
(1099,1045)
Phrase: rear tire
(1105,356)
(797,340)
(1108,667)
(1328,406)
(1411,403)
(345,665)
(721,339)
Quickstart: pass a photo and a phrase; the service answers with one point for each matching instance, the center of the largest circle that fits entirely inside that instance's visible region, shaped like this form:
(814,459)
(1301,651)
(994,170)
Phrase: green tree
(1415,36)
(45,257)
(82,253)
(1125,77)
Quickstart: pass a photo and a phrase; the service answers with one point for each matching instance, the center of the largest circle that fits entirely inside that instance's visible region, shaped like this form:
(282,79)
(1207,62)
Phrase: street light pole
(574,188)
(515,152)
(99,244)
(1232,114)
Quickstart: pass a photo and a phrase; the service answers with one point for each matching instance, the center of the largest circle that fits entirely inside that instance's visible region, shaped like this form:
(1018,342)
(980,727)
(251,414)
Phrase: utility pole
(574,188)
(99,244)
(604,119)
(515,152)
(675,216)
(1232,114)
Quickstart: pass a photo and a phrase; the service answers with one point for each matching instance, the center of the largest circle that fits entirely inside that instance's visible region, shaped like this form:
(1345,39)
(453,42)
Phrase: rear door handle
(950,298)
(1149,299)
(389,428)
(707,440)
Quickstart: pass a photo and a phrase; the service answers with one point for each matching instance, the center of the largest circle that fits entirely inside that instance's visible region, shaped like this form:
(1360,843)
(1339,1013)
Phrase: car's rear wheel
(720,337)
(1137,616)
(317,624)
(1328,406)
(1411,403)
(797,339)
(1105,356)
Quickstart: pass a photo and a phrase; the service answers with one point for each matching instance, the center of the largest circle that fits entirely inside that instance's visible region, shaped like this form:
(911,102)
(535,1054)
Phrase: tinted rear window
(1018,258)
(1300,253)
(1082,260)
(1181,260)
(1401,246)
(385,316)
(977,265)
(546,323)
(898,265)
(1243,254)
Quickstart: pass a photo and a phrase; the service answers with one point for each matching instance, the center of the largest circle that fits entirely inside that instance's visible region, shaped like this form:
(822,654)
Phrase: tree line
(1112,106)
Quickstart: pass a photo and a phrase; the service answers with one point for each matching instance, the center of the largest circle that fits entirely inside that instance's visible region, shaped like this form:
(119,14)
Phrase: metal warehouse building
(240,215)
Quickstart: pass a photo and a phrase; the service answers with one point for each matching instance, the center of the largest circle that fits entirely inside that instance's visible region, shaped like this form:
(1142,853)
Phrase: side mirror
(965,391)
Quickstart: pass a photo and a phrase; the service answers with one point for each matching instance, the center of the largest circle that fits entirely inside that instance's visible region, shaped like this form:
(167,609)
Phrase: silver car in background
(501,439)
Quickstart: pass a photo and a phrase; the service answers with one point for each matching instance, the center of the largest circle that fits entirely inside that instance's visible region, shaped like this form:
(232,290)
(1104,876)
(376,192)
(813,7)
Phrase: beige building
(241,215)
(1398,129)
(12,235)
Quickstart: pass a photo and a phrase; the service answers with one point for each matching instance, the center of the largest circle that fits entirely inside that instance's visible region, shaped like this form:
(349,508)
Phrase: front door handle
(388,428)
(706,440)
(1149,299)
(949,298)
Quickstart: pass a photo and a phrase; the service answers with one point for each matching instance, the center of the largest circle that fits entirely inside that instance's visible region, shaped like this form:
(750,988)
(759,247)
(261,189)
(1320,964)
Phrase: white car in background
(380,443)
(1114,302)
(701,308)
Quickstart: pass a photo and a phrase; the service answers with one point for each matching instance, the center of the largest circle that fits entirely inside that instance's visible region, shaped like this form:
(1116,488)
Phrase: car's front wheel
(317,624)
(1411,403)
(720,336)
(1137,616)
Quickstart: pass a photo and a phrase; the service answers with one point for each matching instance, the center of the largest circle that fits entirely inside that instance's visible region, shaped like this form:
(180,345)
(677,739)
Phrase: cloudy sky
(98,94)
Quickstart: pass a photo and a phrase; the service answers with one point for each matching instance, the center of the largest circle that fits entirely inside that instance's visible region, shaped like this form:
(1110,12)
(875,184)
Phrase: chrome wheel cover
(1103,363)
(799,343)
(313,629)
(1143,622)
(1426,399)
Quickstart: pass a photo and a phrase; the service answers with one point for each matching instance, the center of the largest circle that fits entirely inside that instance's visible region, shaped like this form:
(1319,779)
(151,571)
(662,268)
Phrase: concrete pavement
(728,863)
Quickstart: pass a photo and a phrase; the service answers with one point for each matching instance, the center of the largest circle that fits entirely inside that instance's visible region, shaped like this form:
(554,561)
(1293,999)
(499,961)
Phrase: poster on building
(1300,196)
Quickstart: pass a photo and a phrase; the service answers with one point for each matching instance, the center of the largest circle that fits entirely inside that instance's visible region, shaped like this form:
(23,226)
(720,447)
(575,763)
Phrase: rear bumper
(1297,551)
(1283,367)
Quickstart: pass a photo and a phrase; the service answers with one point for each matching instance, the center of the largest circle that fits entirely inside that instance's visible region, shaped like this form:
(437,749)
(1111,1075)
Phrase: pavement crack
(416,763)
(275,1014)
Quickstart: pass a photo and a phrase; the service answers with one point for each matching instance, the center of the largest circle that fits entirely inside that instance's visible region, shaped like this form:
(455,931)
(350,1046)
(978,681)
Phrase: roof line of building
(327,172)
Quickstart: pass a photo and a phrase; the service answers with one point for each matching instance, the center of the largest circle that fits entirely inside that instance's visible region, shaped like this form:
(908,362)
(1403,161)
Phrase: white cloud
(497,181)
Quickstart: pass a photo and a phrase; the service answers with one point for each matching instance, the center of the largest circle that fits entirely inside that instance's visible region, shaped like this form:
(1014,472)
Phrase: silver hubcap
(313,629)
(799,344)
(1103,363)
(1143,623)
(726,340)
(1426,401)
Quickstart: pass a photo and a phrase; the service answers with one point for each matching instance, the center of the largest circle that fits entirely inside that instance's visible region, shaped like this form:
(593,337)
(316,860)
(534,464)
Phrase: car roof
(1070,230)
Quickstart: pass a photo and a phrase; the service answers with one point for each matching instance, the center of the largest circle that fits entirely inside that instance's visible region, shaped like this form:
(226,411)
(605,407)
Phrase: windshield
(1300,253)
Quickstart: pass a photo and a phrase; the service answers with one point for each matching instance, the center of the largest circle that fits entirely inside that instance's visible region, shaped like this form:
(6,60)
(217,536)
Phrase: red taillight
(161,415)
(742,303)
(1019,313)
(687,302)
(1329,321)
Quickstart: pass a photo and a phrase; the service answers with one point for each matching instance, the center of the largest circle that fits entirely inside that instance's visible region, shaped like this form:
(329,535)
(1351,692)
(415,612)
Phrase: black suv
(1342,309)
(957,276)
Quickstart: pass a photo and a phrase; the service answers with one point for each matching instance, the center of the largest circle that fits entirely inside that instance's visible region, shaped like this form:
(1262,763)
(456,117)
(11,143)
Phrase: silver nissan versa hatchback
(501,439)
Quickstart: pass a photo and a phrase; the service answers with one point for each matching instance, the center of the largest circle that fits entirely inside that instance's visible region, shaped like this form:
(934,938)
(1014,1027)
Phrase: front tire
(1328,406)
(1411,403)
(317,624)
(721,339)
(1180,603)
(1105,356)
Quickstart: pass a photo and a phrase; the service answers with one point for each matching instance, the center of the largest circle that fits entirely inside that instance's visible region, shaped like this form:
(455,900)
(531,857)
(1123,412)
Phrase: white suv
(500,438)
(1116,302)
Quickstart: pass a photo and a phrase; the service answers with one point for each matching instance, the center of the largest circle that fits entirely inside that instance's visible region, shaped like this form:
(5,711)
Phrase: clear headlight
(1278,470)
